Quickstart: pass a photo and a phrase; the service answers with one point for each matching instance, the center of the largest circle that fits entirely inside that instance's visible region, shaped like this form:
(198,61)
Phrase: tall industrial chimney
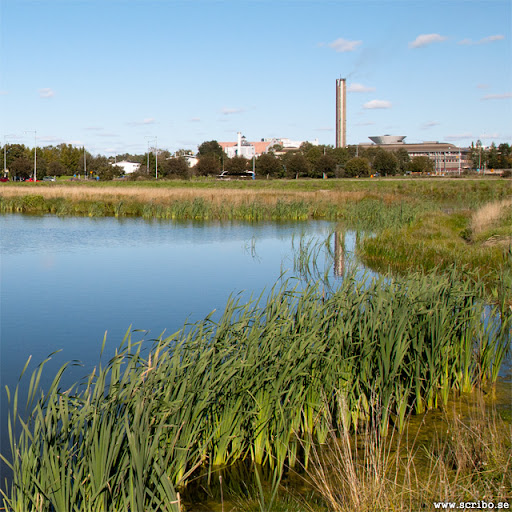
(341,112)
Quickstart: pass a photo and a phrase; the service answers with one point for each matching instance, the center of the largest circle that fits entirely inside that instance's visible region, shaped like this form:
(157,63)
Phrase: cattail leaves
(258,385)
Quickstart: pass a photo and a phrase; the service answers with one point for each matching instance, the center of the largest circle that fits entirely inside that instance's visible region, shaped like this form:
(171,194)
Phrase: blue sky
(111,74)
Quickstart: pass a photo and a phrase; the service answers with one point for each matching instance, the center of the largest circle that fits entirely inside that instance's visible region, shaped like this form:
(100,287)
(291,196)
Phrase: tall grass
(261,385)
(466,457)
(441,240)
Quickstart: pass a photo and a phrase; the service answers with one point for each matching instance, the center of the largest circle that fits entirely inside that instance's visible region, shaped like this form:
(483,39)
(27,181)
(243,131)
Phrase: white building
(251,149)
(128,167)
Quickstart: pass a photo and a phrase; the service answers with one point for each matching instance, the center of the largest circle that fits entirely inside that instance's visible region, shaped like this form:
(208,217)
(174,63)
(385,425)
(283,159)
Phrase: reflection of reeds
(248,387)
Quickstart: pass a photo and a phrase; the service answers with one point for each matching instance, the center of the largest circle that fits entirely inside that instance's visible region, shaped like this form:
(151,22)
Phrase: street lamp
(155,138)
(35,152)
(5,154)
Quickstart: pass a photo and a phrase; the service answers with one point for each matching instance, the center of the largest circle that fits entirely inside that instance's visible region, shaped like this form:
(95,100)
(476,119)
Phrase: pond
(67,281)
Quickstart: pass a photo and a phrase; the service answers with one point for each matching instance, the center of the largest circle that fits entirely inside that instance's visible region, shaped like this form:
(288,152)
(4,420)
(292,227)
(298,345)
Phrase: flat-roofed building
(448,158)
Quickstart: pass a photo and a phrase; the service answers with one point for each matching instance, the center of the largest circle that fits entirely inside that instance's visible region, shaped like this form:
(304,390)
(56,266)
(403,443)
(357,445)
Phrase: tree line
(308,161)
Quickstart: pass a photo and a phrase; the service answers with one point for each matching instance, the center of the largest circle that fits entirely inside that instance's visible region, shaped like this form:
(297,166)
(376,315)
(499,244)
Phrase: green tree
(403,160)
(70,158)
(176,167)
(505,156)
(493,158)
(326,164)
(269,164)
(55,168)
(208,165)
(385,162)
(357,166)
(236,164)
(421,164)
(22,167)
(296,165)
(211,147)
(313,154)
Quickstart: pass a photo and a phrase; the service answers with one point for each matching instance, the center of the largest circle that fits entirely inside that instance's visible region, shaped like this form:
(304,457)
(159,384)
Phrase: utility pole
(35,152)
(155,138)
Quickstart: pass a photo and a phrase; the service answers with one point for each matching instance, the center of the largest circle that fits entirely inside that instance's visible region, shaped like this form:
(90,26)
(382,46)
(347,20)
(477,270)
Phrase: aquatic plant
(248,386)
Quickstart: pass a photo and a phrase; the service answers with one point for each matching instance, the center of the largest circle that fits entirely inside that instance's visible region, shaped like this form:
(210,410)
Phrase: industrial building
(447,158)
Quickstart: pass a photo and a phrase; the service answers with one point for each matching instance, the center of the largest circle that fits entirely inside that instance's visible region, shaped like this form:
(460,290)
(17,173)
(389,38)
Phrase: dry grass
(167,195)
(488,215)
(467,456)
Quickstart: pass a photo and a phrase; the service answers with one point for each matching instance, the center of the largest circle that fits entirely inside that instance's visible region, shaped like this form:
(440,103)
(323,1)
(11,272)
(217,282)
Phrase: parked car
(49,178)
(4,179)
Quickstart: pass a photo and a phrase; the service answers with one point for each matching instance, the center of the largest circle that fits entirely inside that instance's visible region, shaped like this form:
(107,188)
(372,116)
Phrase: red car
(4,180)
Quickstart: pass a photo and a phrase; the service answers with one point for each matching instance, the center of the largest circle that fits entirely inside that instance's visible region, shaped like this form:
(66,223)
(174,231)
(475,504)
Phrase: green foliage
(208,165)
(211,147)
(176,167)
(421,164)
(357,166)
(385,163)
(296,165)
(268,164)
(236,164)
(248,387)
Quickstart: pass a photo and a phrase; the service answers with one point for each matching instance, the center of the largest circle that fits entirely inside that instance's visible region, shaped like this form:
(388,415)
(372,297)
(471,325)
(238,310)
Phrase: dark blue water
(65,281)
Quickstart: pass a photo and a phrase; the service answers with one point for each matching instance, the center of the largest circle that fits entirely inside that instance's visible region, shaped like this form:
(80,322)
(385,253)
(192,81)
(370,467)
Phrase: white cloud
(195,119)
(344,45)
(426,39)
(359,88)
(482,86)
(325,129)
(228,111)
(459,136)
(4,93)
(377,104)
(49,138)
(484,40)
(503,96)
(490,136)
(108,134)
(366,123)
(46,93)
(148,120)
(429,124)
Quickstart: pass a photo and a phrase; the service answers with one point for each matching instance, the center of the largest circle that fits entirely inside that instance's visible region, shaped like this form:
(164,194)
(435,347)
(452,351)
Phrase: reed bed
(356,209)
(260,385)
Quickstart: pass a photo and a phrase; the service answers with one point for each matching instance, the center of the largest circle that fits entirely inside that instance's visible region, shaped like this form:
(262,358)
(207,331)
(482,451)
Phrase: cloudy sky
(114,74)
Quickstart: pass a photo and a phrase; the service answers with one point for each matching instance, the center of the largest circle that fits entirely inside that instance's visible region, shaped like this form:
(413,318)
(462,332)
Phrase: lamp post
(35,152)
(5,155)
(151,138)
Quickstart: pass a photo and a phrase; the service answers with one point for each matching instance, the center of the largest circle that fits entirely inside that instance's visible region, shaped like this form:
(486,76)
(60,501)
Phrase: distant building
(128,167)
(191,160)
(447,157)
(254,149)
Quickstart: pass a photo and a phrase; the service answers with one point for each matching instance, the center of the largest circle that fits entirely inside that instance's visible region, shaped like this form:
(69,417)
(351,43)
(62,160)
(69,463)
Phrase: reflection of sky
(65,281)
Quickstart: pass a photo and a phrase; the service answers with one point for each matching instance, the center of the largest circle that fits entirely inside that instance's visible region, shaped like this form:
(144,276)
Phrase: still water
(67,281)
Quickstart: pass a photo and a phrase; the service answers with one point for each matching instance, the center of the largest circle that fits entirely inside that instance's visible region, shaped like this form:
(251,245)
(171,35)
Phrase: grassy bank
(369,204)
(262,386)
(477,241)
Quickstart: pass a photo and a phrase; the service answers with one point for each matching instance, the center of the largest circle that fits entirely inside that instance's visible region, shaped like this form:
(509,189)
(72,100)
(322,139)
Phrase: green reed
(256,386)
(370,213)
